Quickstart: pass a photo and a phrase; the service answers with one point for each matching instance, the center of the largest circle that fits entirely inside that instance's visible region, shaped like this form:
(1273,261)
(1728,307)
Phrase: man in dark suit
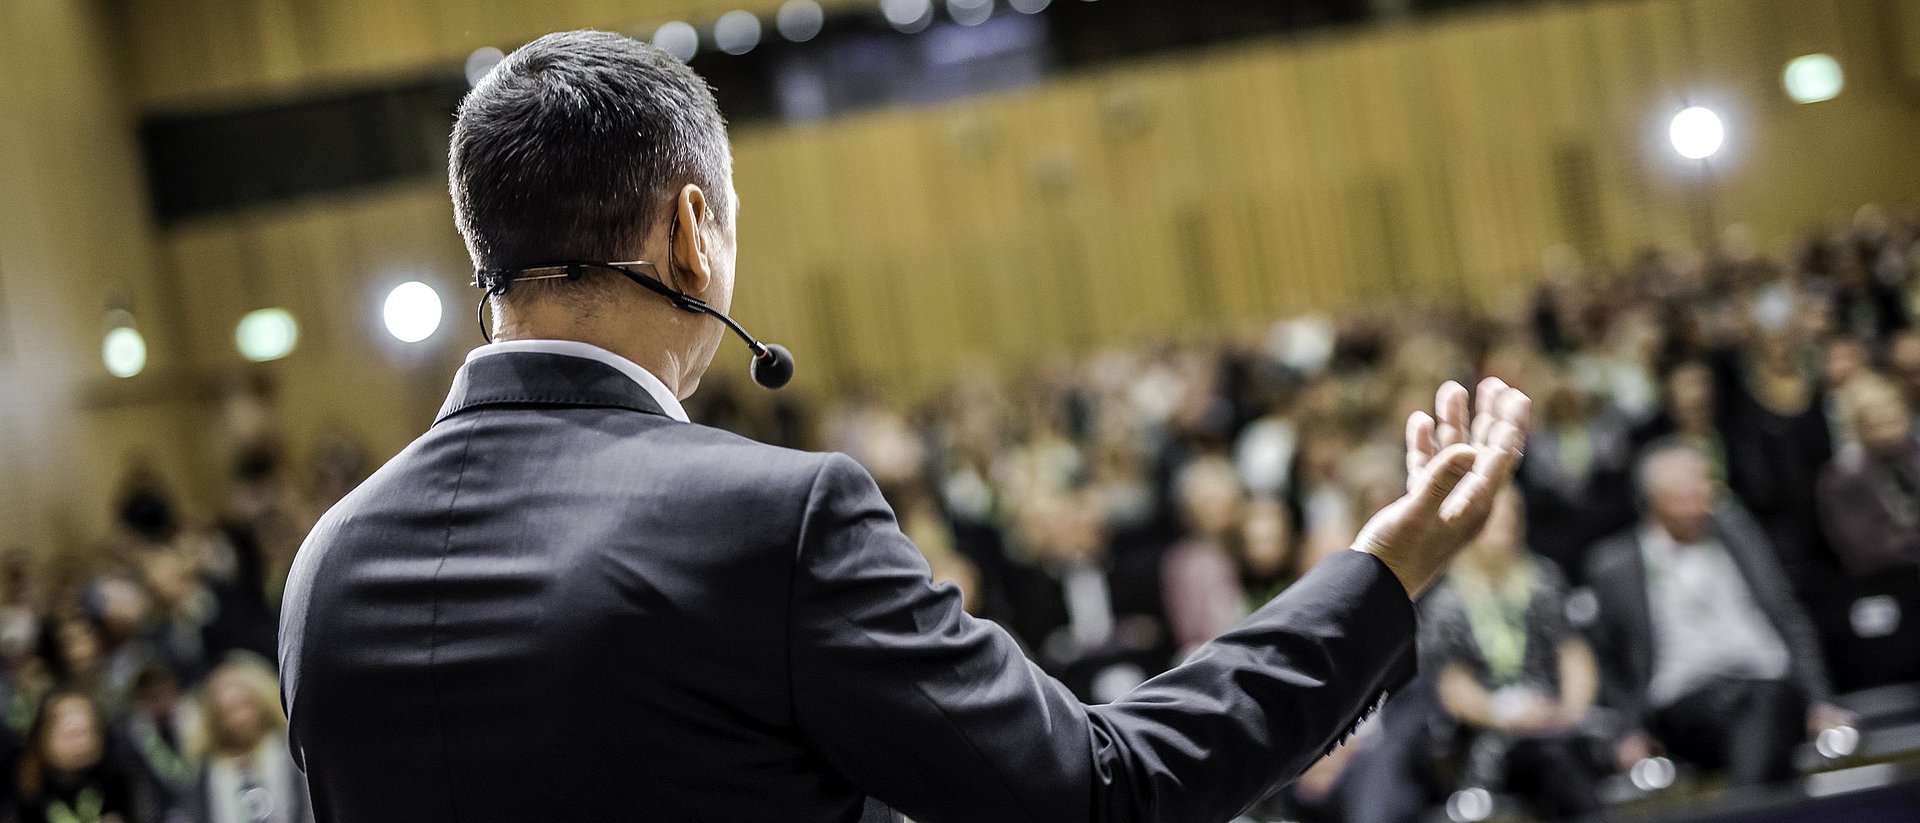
(1703,648)
(564,602)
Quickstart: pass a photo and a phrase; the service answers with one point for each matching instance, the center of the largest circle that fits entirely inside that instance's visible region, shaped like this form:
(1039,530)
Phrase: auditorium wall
(1176,196)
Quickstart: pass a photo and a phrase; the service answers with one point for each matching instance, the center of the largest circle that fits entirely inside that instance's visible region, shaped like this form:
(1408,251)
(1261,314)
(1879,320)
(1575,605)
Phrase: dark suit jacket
(1623,635)
(1860,505)
(560,604)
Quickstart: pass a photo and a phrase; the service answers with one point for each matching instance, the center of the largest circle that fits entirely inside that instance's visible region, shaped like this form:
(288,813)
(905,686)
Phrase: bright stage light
(1811,78)
(678,39)
(1029,6)
(1696,133)
(412,311)
(800,20)
(124,351)
(266,334)
(737,32)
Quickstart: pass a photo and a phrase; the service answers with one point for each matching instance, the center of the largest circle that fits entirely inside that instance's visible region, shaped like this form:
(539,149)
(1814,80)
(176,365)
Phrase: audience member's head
(1267,540)
(156,691)
(242,707)
(1210,497)
(1903,360)
(1676,487)
(1881,418)
(1690,397)
(68,737)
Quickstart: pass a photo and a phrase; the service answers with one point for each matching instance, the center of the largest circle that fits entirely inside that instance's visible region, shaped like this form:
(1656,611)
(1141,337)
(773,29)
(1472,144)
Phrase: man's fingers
(1450,405)
(1486,405)
(1514,406)
(1443,475)
(1419,445)
(1493,466)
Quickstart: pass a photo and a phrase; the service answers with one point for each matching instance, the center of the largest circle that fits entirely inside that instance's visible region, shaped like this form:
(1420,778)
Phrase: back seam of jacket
(433,632)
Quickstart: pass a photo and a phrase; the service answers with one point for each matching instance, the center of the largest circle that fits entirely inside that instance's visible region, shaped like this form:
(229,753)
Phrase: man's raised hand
(1456,466)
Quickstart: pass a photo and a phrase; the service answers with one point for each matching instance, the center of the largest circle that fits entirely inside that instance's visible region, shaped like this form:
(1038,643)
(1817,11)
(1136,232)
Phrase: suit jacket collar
(541,379)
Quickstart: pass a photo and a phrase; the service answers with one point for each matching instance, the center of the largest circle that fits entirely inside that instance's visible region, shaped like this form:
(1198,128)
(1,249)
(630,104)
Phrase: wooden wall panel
(1179,196)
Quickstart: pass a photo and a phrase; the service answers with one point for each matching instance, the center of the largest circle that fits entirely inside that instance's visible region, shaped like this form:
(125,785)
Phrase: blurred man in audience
(1704,649)
(1510,669)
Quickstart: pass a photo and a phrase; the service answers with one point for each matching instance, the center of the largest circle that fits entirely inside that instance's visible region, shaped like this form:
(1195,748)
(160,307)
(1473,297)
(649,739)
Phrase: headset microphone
(772,365)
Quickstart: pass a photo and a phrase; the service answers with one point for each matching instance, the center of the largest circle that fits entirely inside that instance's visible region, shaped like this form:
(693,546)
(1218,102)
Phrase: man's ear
(691,267)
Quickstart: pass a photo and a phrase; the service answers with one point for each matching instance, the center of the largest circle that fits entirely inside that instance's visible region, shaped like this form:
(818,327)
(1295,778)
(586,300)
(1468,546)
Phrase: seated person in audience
(151,743)
(1201,582)
(1870,493)
(248,774)
(64,775)
(1270,554)
(1704,650)
(1066,609)
(1576,473)
(1510,669)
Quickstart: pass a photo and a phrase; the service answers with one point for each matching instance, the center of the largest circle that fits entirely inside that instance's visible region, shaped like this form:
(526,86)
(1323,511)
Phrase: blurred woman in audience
(248,776)
(1270,557)
(1511,670)
(64,775)
(1202,584)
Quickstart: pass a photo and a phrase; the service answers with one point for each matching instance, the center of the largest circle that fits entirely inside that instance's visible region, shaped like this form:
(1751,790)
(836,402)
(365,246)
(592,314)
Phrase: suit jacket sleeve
(1773,591)
(940,716)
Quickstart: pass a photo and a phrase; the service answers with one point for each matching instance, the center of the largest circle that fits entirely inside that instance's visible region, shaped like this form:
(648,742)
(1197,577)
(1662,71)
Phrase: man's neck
(1679,541)
(659,357)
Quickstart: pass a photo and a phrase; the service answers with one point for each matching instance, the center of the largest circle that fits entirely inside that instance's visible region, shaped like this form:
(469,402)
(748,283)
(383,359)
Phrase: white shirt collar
(574,348)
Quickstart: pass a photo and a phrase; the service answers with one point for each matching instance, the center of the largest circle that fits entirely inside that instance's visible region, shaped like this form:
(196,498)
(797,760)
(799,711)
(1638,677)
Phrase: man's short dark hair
(574,146)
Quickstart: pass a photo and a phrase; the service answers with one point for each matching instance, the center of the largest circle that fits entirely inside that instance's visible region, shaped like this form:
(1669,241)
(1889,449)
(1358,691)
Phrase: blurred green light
(1812,78)
(267,334)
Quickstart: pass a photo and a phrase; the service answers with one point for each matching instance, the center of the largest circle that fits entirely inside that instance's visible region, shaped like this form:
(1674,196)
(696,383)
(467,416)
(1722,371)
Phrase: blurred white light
(481,62)
(1652,774)
(1029,6)
(678,39)
(800,20)
(970,12)
(266,334)
(737,32)
(1696,133)
(1837,742)
(908,16)
(1470,805)
(1811,78)
(124,351)
(412,311)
